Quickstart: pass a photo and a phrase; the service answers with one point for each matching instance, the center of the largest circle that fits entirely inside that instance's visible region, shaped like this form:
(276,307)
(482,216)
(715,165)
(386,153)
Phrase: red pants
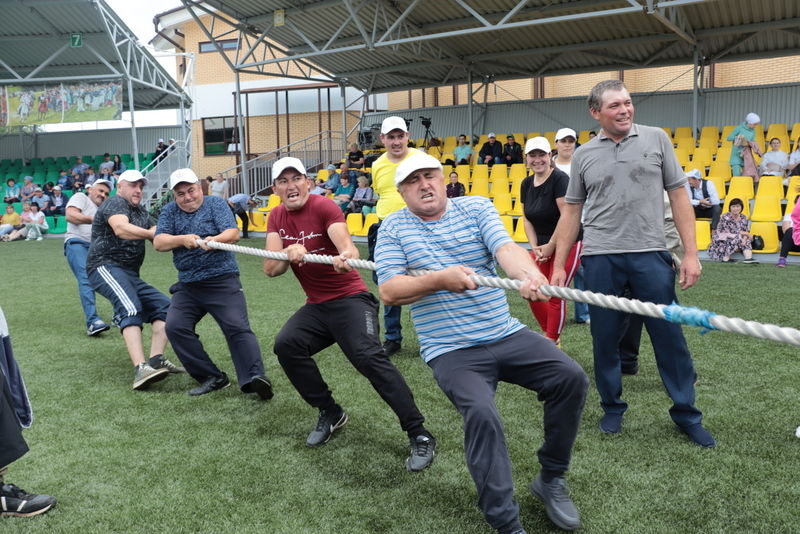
(552,314)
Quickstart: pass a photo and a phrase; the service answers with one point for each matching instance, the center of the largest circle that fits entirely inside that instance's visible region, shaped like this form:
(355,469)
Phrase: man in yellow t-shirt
(394,136)
(9,220)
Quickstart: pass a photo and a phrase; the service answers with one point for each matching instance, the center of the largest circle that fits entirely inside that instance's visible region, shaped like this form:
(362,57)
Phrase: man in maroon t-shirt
(339,310)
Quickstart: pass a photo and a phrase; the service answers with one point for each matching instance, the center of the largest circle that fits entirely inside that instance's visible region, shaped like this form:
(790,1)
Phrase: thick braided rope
(674,313)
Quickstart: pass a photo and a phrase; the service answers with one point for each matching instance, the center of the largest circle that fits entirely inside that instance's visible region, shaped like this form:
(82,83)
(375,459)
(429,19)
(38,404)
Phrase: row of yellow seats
(767,230)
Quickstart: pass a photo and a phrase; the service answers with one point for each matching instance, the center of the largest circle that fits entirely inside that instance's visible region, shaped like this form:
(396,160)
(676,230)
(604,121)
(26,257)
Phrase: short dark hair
(595,99)
(736,202)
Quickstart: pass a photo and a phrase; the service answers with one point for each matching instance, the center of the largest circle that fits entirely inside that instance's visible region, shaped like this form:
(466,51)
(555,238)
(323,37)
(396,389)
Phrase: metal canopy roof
(35,49)
(383,45)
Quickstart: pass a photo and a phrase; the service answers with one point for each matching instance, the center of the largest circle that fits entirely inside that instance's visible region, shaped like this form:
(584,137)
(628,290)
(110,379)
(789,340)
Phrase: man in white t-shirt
(80,213)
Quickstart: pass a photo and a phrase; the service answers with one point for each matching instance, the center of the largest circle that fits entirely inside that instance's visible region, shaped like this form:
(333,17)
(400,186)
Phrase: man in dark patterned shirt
(119,230)
(208,283)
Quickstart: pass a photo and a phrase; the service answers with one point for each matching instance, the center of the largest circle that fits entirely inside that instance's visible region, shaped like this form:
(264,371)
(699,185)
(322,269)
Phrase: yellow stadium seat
(770,186)
(354,223)
(517,171)
(539,134)
(726,205)
(323,174)
(668,131)
(450,143)
(502,203)
(686,143)
(741,187)
(479,187)
(767,209)
(720,168)
(480,172)
(583,136)
(463,175)
(702,231)
(726,131)
(709,132)
(709,144)
(447,155)
(719,185)
(517,209)
(446,170)
(499,186)
(370,219)
(702,158)
(683,132)
(683,156)
(778,130)
(258,223)
(551,137)
(794,187)
(724,154)
(519,232)
(519,138)
(508,222)
(273,202)
(498,170)
(768,231)
(790,203)
(481,140)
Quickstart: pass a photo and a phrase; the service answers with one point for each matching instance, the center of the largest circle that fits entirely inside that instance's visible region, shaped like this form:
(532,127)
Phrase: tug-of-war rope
(674,313)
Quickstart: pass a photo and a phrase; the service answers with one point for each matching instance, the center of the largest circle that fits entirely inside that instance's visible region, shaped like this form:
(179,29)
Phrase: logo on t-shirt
(300,239)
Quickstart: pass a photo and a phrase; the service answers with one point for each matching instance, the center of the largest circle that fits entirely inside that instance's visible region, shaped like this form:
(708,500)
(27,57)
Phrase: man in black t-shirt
(119,229)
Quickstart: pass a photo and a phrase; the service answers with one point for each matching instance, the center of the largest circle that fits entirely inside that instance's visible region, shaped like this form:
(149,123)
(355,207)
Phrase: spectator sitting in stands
(64,180)
(40,199)
(11,221)
(90,177)
(787,242)
(27,190)
(106,164)
(455,188)
(344,193)
(592,135)
(48,189)
(355,157)
(463,151)
(364,199)
(106,174)
(512,151)
(491,151)
(37,225)
(794,161)
(318,189)
(77,181)
(732,235)
(12,192)
(58,203)
(20,231)
(704,197)
(332,183)
(119,167)
(776,161)
(80,167)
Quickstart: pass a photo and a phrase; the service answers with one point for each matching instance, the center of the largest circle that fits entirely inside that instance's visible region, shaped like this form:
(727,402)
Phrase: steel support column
(240,123)
(134,140)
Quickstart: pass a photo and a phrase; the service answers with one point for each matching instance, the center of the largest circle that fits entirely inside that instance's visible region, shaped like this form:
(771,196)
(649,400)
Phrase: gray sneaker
(329,421)
(145,376)
(557,502)
(423,449)
(97,327)
(160,362)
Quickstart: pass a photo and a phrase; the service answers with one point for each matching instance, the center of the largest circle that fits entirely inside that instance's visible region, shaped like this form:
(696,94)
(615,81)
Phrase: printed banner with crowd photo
(49,104)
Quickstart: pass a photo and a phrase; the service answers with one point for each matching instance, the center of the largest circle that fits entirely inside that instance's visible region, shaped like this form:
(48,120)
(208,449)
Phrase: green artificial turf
(161,461)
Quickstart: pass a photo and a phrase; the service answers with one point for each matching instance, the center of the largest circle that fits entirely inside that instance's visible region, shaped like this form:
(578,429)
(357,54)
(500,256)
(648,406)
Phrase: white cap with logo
(101,181)
(537,143)
(287,163)
(132,175)
(415,161)
(393,123)
(182,176)
(565,132)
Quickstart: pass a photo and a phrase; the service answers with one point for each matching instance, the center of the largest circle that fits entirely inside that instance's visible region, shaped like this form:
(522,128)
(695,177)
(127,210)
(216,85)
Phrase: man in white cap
(339,309)
(618,182)
(703,197)
(491,151)
(208,283)
(81,209)
(119,229)
(394,136)
(470,340)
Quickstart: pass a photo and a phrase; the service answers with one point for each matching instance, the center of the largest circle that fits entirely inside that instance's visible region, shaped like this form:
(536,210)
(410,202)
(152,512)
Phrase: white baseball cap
(694,173)
(565,132)
(56,188)
(132,175)
(492,135)
(416,161)
(287,163)
(537,143)
(393,123)
(101,181)
(182,176)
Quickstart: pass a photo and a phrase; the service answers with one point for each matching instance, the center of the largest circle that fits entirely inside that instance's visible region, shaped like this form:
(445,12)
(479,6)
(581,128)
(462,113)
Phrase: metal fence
(159,170)
(315,151)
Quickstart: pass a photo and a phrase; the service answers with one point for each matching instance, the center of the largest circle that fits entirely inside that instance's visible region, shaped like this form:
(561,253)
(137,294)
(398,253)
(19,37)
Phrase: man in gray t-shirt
(617,180)
(80,213)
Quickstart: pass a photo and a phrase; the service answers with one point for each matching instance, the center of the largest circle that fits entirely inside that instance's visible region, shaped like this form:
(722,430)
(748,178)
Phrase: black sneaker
(557,502)
(210,384)
(329,421)
(391,347)
(423,449)
(17,502)
(261,387)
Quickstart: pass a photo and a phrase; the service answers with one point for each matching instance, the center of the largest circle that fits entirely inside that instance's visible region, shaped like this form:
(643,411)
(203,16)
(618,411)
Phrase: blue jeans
(650,276)
(581,308)
(76,252)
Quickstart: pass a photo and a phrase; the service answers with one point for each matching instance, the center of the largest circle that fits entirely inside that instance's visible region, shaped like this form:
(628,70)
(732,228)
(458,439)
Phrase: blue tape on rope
(689,315)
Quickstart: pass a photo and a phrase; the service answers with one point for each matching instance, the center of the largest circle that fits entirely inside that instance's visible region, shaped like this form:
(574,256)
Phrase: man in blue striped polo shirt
(471,342)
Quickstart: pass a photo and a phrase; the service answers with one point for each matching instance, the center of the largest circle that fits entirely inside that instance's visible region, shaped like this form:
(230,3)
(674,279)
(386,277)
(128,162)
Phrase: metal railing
(315,151)
(159,170)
